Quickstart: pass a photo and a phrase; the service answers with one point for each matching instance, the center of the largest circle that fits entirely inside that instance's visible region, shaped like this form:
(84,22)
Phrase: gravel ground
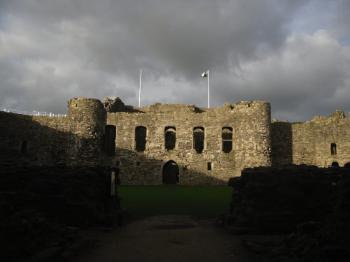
(167,238)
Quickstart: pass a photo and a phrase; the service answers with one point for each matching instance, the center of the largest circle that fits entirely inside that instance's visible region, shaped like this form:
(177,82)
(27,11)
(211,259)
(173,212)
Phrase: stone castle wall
(80,139)
(43,140)
(310,142)
(37,140)
(250,122)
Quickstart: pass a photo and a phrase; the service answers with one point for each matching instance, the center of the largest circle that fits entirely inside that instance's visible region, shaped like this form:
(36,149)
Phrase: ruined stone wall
(310,142)
(43,140)
(36,140)
(40,204)
(250,122)
(309,204)
(276,200)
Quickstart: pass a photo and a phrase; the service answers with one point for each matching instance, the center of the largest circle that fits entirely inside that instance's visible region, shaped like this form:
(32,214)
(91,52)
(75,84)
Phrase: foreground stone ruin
(309,204)
(43,208)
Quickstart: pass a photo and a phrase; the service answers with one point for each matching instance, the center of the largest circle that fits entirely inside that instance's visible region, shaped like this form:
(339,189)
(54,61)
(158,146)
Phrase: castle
(170,143)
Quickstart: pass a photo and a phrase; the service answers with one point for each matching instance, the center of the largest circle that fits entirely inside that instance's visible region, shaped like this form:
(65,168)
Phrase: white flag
(205,74)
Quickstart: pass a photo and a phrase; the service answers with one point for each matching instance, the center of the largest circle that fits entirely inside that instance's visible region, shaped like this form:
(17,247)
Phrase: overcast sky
(292,53)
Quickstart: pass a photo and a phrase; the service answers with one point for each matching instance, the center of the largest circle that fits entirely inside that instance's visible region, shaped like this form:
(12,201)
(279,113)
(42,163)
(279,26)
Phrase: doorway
(170,173)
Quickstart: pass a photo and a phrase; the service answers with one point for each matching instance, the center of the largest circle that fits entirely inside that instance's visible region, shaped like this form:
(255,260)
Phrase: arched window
(109,141)
(333,149)
(198,139)
(226,135)
(140,138)
(170,137)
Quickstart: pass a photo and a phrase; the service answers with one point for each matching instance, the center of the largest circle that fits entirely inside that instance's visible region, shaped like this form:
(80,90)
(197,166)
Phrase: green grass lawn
(198,201)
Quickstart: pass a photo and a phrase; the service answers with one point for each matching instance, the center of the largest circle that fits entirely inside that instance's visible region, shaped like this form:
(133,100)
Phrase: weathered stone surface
(74,140)
(310,142)
(114,104)
(250,123)
(80,139)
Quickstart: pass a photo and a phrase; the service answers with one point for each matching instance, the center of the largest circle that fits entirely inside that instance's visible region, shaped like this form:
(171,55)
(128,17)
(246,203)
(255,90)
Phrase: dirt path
(168,238)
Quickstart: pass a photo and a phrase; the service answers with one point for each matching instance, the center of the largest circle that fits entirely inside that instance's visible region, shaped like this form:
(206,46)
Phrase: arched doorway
(335,164)
(170,173)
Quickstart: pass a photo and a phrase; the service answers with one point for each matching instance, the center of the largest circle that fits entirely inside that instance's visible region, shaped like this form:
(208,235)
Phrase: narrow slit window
(209,166)
(109,141)
(140,138)
(333,149)
(170,137)
(198,139)
(226,139)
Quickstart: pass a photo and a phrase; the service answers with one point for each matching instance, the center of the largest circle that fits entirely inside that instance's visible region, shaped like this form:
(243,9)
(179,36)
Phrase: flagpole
(208,90)
(140,88)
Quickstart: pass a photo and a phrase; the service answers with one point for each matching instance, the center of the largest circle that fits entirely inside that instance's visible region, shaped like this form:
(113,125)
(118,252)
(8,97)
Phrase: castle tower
(87,118)
(254,135)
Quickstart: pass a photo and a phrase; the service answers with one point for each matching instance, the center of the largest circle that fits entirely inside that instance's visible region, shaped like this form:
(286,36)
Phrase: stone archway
(170,173)
(335,164)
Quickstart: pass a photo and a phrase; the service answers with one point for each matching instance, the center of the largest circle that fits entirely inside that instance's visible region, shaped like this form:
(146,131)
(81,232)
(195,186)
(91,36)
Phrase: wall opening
(140,138)
(24,147)
(198,139)
(226,135)
(109,141)
(170,173)
(335,164)
(170,137)
(333,149)
(347,165)
(209,166)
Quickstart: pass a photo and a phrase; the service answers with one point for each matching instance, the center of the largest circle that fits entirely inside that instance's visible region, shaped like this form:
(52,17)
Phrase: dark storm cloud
(53,50)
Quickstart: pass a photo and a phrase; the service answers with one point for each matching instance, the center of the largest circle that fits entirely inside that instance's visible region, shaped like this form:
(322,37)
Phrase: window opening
(333,149)
(170,137)
(140,138)
(209,166)
(198,139)
(226,135)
